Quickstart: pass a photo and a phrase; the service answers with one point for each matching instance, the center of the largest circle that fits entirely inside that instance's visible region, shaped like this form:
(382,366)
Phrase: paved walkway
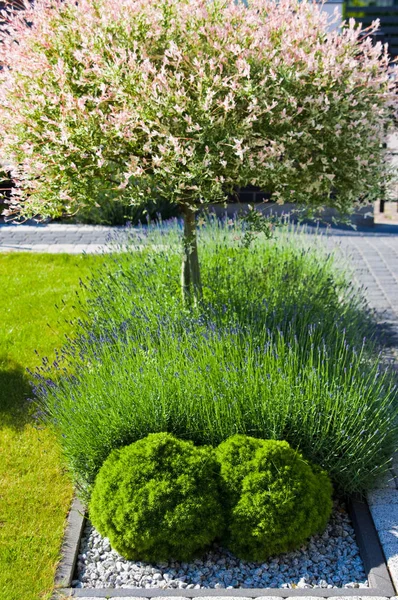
(374,254)
(55,238)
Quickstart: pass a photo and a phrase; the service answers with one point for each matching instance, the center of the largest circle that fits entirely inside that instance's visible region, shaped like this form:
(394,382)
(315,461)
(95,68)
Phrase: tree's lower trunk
(190,275)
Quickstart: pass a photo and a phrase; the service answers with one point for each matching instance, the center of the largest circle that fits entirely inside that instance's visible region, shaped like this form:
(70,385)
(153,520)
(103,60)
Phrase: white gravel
(330,560)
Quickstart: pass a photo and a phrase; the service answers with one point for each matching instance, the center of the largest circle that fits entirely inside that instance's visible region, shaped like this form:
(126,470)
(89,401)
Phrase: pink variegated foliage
(187,99)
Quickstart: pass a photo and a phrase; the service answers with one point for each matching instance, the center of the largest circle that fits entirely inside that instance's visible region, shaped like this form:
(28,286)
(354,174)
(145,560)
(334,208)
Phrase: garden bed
(350,545)
(277,347)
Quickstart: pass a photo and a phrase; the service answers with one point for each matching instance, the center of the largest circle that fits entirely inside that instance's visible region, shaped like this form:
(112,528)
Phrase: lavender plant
(275,351)
(127,100)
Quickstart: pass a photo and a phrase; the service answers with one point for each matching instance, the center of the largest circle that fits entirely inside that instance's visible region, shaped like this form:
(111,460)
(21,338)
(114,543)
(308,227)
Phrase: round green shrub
(158,499)
(274,498)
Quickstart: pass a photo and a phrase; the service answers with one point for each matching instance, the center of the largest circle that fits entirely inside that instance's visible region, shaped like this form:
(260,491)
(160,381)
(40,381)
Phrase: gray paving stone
(349,598)
(392,564)
(312,597)
(385,516)
(229,598)
(384,496)
(391,550)
(111,596)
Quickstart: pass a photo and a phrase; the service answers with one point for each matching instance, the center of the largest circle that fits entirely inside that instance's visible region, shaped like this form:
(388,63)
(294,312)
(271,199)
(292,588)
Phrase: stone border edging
(370,548)
(70,545)
(212,593)
(365,532)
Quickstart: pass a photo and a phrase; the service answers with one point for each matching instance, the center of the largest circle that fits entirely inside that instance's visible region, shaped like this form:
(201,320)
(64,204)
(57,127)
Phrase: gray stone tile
(40,247)
(309,597)
(223,597)
(89,248)
(349,598)
(388,536)
(385,516)
(391,550)
(110,596)
(386,496)
(392,564)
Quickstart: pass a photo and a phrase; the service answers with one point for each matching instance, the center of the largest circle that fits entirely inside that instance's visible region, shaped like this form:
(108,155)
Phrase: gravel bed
(330,560)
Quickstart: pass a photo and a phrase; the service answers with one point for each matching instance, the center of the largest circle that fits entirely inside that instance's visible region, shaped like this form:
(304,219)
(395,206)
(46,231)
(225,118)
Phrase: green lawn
(35,492)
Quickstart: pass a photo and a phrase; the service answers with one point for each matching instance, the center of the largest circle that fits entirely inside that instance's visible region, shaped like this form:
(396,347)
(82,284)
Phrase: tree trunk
(190,275)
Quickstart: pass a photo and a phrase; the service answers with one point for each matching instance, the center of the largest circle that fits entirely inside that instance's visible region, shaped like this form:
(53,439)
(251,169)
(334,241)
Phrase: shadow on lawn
(15,389)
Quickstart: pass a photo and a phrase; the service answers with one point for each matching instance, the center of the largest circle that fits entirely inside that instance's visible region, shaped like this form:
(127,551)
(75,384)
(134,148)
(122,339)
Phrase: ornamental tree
(125,100)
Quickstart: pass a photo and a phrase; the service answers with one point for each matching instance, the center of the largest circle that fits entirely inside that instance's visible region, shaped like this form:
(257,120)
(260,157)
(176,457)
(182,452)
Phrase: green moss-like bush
(274,498)
(158,499)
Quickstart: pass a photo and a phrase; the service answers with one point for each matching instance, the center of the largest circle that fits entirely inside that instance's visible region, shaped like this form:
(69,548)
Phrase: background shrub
(275,499)
(113,212)
(275,351)
(158,499)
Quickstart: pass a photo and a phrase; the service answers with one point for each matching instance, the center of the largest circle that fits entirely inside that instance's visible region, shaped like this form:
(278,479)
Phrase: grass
(276,351)
(35,490)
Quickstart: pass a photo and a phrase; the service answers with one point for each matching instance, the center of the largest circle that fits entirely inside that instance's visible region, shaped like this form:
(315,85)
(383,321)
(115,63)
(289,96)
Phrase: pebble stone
(329,560)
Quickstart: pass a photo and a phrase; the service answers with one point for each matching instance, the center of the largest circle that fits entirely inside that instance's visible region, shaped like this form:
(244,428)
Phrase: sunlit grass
(35,491)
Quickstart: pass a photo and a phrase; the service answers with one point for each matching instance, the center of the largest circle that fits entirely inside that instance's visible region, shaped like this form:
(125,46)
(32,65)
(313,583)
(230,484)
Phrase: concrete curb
(370,548)
(367,538)
(70,546)
(243,594)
